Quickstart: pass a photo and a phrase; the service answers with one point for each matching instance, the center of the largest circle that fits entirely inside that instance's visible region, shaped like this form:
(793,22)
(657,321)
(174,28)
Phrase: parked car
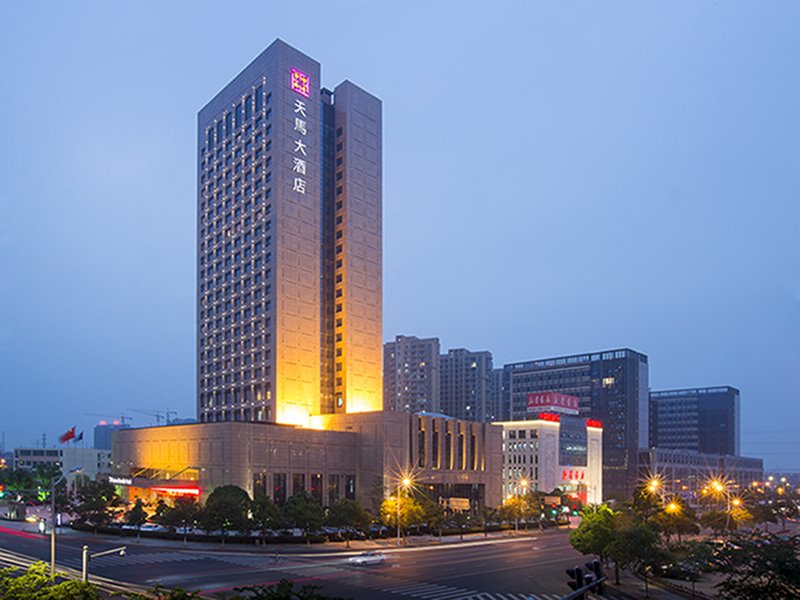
(368,558)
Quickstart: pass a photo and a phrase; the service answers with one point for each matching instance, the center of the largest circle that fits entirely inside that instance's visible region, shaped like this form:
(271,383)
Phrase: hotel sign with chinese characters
(301,84)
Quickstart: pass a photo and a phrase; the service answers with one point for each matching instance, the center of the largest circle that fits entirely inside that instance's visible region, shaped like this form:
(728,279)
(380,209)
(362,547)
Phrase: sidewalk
(633,586)
(385,544)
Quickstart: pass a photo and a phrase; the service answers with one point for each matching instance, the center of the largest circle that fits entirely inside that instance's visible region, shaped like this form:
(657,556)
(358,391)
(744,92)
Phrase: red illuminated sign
(552,417)
(572,475)
(552,401)
(178,491)
(594,423)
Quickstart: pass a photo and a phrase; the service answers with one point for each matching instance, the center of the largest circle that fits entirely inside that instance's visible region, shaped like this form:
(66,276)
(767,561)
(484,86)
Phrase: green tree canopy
(137,515)
(760,568)
(227,507)
(595,533)
(303,512)
(97,503)
(348,514)
(410,512)
(266,513)
(34,583)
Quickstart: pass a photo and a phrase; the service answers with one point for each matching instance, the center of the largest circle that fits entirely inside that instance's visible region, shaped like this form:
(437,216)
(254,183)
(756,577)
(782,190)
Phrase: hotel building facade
(289,282)
(289,348)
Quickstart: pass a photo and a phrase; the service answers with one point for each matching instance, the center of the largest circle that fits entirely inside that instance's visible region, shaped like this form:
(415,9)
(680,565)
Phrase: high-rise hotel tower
(289,246)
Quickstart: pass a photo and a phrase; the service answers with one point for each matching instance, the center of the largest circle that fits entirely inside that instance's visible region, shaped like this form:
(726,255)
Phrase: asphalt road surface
(503,568)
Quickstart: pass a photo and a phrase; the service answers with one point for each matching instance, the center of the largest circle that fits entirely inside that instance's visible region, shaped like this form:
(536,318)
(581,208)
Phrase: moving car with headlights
(368,558)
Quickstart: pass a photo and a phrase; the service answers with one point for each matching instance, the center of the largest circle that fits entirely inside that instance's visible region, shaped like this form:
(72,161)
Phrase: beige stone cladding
(359,345)
(360,455)
(445,457)
(242,454)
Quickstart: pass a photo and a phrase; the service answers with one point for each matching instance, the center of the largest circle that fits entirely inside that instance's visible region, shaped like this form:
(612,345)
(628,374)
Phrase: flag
(67,436)
(78,437)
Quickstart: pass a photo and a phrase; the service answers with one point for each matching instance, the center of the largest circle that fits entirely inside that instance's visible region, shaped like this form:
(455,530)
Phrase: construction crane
(120,419)
(165,416)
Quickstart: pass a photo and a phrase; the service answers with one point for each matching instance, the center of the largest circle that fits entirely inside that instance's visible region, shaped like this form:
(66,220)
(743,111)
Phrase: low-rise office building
(89,461)
(361,456)
(554,450)
(686,472)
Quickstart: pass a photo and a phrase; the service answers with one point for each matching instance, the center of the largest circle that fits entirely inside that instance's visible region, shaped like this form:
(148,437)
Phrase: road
(500,568)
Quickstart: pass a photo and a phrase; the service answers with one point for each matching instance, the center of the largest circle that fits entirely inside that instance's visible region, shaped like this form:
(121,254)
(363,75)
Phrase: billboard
(552,401)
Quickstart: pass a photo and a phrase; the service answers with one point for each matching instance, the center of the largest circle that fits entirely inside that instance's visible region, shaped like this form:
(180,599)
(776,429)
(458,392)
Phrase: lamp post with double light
(54,519)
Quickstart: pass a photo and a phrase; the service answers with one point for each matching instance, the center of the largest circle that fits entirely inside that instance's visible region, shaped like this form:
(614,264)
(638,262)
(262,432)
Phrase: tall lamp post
(405,483)
(53,484)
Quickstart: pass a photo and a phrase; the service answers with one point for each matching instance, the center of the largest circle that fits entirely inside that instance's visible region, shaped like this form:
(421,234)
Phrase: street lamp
(53,484)
(87,557)
(673,507)
(405,483)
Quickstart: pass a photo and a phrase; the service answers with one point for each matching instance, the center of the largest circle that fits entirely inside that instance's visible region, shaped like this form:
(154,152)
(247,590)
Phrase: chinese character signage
(552,401)
(300,83)
(573,475)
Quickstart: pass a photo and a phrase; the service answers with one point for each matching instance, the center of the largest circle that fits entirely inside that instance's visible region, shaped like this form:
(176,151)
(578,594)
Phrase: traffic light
(553,510)
(576,581)
(2,491)
(595,569)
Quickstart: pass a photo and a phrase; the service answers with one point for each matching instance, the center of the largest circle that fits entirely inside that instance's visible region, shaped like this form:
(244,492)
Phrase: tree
(433,514)
(410,512)
(766,567)
(183,513)
(265,513)
(646,503)
(717,520)
(303,512)
(227,508)
(763,514)
(595,532)
(35,584)
(283,590)
(162,508)
(677,518)
(97,503)
(19,484)
(137,516)
(349,515)
(460,520)
(487,516)
(513,510)
(533,507)
(636,545)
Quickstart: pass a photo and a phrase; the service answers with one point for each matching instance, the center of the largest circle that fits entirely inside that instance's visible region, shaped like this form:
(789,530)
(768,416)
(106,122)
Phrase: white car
(368,558)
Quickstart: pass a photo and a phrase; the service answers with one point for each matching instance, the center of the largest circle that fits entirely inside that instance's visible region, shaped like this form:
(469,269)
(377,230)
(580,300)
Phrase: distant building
(92,462)
(686,472)
(494,411)
(612,387)
(706,420)
(465,384)
(103,431)
(553,451)
(411,374)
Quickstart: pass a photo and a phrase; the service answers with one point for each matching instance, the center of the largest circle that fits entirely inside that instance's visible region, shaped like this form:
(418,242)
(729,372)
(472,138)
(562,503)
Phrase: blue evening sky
(560,177)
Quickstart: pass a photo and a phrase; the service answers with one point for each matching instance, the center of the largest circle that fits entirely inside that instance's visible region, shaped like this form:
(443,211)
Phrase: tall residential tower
(289,246)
